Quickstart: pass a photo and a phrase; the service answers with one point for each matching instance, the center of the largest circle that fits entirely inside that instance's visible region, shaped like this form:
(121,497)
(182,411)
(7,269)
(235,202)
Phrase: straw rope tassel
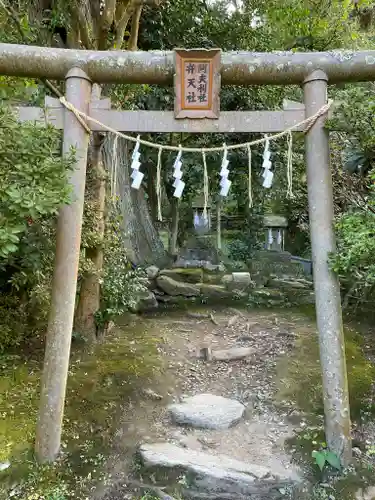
(114,168)
(249,176)
(205,185)
(289,166)
(158,184)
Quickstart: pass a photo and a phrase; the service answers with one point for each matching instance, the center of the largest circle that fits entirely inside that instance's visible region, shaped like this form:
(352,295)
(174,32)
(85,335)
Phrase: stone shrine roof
(275,221)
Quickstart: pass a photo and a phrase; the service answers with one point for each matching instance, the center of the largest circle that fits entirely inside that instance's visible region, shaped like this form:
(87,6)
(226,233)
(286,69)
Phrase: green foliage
(323,457)
(354,261)
(34,185)
(310,25)
(250,239)
(12,326)
(354,119)
(121,284)
(33,176)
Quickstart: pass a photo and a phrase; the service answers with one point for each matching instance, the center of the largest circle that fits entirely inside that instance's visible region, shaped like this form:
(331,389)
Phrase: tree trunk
(142,241)
(175,202)
(89,295)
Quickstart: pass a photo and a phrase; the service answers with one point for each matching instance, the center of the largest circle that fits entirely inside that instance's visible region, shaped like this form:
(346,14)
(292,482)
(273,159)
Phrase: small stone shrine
(274,232)
(200,249)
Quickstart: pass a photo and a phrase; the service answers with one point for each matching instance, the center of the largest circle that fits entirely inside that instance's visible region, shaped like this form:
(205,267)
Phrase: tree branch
(13,15)
(95,17)
(108,16)
(124,15)
(133,39)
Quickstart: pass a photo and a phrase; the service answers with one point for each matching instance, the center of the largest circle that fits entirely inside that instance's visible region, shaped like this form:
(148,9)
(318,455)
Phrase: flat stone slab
(207,411)
(215,291)
(232,354)
(174,288)
(211,472)
(188,275)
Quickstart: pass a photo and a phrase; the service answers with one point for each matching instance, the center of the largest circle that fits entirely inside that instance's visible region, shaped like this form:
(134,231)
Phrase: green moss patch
(188,275)
(300,374)
(99,383)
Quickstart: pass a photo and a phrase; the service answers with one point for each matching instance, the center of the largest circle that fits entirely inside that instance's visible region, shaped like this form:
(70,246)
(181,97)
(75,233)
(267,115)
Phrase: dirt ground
(260,437)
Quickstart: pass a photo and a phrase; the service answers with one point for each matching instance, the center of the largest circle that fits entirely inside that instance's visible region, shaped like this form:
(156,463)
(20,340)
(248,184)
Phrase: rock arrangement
(211,283)
(213,475)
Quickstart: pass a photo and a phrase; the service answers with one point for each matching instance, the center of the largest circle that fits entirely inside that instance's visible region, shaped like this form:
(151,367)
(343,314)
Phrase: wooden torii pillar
(311,70)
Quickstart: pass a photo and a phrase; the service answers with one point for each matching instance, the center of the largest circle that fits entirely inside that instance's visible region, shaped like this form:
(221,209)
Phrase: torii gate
(79,68)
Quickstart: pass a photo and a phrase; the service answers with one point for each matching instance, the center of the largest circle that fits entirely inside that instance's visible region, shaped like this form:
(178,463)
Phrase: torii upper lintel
(237,68)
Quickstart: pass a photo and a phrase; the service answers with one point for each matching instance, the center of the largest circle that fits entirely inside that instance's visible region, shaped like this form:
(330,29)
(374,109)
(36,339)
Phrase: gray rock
(152,272)
(287,283)
(173,287)
(213,473)
(188,275)
(213,267)
(226,279)
(232,354)
(150,394)
(237,281)
(207,411)
(368,494)
(215,292)
(146,302)
(200,248)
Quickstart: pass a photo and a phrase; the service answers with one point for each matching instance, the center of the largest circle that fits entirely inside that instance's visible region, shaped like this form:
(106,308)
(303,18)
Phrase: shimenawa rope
(83,118)
(308,122)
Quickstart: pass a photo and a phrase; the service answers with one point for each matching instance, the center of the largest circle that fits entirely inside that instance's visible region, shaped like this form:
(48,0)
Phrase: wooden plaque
(197,83)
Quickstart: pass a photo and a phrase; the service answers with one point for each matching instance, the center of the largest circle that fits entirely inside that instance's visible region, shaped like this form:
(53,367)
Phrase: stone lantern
(275,226)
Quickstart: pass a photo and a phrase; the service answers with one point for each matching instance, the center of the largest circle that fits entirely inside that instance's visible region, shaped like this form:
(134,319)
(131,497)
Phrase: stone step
(216,475)
(207,411)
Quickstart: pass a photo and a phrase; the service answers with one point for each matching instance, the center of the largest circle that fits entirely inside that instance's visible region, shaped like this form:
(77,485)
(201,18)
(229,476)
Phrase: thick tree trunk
(142,241)
(89,295)
(172,246)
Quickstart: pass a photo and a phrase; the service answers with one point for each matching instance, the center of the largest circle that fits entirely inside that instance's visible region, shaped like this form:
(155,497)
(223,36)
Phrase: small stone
(152,272)
(150,394)
(357,452)
(4,465)
(146,302)
(207,411)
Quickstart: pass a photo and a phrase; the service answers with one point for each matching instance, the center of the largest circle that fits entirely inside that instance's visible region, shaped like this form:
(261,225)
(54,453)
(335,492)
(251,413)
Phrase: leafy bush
(121,283)
(33,177)
(249,240)
(13,319)
(34,185)
(354,261)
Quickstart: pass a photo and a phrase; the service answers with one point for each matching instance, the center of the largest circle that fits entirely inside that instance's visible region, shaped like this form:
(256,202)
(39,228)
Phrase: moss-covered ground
(299,381)
(100,381)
